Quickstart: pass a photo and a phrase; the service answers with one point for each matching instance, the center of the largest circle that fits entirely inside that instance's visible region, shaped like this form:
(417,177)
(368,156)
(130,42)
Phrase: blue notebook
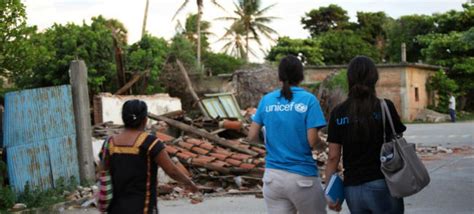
(335,189)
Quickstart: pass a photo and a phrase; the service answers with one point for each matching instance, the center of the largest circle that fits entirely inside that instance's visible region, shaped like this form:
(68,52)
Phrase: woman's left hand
(334,206)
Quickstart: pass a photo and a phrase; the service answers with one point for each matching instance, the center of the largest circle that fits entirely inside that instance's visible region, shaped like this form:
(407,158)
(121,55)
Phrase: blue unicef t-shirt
(286,124)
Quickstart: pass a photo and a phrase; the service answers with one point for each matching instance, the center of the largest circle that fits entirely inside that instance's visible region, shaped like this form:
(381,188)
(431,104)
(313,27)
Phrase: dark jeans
(452,113)
(372,197)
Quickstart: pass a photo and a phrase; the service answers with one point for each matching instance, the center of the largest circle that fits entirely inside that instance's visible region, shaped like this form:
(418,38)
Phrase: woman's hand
(191,187)
(334,206)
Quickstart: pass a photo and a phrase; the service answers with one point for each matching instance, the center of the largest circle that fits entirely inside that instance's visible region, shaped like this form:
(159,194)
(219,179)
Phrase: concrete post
(80,98)
(404,52)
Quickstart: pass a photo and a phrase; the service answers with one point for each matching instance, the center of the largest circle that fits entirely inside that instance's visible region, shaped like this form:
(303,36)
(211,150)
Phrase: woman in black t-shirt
(355,128)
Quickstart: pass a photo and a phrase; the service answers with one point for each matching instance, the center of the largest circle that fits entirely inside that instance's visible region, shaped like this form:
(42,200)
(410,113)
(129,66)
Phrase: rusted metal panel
(63,158)
(40,137)
(29,163)
(38,114)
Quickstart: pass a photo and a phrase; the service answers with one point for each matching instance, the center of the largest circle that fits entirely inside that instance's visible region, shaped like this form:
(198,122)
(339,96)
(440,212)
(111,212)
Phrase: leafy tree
(456,52)
(61,44)
(455,20)
(324,19)
(405,30)
(181,48)
(443,86)
(371,28)
(15,49)
(218,63)
(310,48)
(190,31)
(250,22)
(200,6)
(148,54)
(339,47)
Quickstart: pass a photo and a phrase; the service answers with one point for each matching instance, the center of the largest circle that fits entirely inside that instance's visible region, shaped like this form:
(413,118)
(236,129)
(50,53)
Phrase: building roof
(406,64)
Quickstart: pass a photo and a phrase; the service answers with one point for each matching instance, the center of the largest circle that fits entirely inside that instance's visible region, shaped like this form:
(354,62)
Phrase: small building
(404,84)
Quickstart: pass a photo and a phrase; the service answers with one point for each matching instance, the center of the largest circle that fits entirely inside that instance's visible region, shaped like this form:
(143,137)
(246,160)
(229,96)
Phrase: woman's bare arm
(164,161)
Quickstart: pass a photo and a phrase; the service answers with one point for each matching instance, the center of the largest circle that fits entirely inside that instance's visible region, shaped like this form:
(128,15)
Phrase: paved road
(450,191)
(445,134)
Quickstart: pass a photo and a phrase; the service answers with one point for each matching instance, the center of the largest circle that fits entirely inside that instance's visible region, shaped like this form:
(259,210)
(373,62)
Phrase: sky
(44,13)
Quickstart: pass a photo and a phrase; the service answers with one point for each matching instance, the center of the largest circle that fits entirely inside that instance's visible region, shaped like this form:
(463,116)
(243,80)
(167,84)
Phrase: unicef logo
(301,108)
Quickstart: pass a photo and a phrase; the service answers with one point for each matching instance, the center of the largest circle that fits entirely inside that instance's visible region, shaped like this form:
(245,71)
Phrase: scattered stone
(19,206)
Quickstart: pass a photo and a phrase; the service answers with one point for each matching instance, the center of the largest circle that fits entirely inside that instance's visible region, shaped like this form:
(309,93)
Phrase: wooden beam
(130,83)
(201,133)
(190,88)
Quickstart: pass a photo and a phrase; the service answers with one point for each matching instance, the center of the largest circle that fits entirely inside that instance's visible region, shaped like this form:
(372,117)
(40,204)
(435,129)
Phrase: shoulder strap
(389,116)
(382,101)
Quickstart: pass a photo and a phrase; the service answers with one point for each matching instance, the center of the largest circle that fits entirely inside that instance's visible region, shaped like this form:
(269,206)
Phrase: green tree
(339,47)
(200,6)
(324,19)
(443,86)
(190,31)
(310,48)
(405,30)
(181,48)
(370,26)
(148,54)
(455,20)
(456,52)
(15,50)
(61,44)
(250,22)
(218,63)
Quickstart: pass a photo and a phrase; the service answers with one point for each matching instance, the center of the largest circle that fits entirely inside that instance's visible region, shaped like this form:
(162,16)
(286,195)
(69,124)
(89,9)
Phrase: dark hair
(290,72)
(134,112)
(362,75)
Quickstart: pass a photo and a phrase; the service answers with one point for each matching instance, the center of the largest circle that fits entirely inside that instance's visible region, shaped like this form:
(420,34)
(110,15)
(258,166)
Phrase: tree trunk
(199,36)
(145,18)
(247,44)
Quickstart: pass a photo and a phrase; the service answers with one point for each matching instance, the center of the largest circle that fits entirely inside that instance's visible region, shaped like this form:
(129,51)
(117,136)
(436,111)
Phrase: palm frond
(180,8)
(264,10)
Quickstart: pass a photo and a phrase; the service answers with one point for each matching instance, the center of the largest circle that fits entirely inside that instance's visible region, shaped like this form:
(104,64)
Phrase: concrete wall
(416,81)
(108,107)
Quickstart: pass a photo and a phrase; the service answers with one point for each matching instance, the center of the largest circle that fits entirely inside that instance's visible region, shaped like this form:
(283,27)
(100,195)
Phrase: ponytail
(290,73)
(286,91)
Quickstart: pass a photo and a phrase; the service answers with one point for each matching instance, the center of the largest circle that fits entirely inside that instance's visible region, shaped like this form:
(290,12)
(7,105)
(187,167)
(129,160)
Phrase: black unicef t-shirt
(361,157)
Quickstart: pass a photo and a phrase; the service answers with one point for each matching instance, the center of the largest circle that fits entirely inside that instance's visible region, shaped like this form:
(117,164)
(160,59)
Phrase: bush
(7,196)
(338,81)
(443,86)
(218,63)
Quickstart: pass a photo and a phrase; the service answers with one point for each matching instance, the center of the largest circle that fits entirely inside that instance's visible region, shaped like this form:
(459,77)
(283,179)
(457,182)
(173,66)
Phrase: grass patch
(465,116)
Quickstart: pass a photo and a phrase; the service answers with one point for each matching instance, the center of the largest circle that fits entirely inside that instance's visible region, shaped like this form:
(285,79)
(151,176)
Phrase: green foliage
(182,49)
(405,30)
(218,63)
(339,47)
(456,52)
(7,196)
(338,81)
(324,19)
(443,86)
(36,197)
(190,31)
(310,48)
(371,27)
(61,44)
(455,20)
(15,48)
(250,22)
(148,54)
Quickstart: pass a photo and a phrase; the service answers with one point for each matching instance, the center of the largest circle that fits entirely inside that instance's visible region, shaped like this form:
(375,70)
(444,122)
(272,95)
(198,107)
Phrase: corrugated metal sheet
(38,114)
(29,163)
(223,105)
(40,136)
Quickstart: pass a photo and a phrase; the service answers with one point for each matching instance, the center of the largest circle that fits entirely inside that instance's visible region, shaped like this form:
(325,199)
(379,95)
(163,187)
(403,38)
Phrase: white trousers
(290,193)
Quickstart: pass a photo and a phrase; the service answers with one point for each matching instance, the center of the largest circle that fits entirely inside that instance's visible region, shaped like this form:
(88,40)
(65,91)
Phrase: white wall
(157,104)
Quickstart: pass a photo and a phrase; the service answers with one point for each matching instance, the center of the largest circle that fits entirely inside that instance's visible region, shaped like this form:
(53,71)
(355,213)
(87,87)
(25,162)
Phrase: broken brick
(186,145)
(194,141)
(200,150)
(219,156)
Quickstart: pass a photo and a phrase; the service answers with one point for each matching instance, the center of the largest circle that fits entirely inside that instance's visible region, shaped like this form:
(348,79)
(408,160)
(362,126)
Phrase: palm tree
(250,22)
(145,17)
(200,5)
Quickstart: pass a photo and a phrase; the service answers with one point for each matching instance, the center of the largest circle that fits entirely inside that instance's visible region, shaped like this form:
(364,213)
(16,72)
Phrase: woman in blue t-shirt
(355,131)
(292,117)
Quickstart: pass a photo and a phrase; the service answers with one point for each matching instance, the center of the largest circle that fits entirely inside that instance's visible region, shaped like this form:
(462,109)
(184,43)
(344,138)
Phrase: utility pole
(80,101)
(145,18)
